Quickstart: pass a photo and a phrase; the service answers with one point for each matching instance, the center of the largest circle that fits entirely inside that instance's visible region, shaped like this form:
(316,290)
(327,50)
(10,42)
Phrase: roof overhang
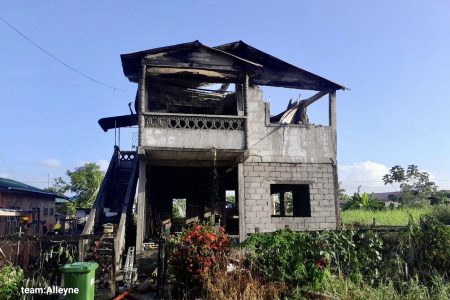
(278,72)
(118,121)
(194,62)
(189,59)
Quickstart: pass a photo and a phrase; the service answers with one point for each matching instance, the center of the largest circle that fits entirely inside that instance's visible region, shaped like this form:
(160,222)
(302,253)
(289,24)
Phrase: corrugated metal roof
(10,185)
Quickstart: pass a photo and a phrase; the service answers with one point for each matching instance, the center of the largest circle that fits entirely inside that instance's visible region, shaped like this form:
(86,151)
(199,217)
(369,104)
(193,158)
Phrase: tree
(84,184)
(59,187)
(415,185)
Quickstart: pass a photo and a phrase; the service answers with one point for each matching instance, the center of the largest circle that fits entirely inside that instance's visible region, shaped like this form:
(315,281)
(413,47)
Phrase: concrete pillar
(141,205)
(332,109)
(241,199)
(245,95)
(332,119)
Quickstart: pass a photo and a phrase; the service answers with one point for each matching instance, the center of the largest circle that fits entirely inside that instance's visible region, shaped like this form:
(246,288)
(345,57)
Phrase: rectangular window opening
(178,214)
(231,218)
(290,200)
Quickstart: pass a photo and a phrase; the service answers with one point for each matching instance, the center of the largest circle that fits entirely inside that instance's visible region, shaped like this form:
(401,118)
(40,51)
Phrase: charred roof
(194,64)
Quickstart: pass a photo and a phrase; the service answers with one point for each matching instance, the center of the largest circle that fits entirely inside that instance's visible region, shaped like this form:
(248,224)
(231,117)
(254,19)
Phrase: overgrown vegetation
(348,264)
(43,270)
(11,278)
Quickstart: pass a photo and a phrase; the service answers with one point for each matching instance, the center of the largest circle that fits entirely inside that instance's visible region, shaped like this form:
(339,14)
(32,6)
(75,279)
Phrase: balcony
(186,131)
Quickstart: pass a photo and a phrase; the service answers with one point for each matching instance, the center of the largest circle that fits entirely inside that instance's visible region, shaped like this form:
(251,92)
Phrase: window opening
(290,200)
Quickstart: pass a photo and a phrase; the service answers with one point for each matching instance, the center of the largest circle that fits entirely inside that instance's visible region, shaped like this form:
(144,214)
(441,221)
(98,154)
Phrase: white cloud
(51,163)
(103,163)
(367,174)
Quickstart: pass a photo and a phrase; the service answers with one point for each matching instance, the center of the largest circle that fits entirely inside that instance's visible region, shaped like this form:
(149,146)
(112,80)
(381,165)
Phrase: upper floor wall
(251,132)
(278,142)
(186,131)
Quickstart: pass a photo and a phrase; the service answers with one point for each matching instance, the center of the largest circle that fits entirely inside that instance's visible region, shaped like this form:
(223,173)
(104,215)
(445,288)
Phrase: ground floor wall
(255,183)
(259,178)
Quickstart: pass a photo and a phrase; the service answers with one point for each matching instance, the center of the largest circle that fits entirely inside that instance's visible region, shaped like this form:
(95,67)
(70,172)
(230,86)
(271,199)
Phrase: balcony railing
(195,122)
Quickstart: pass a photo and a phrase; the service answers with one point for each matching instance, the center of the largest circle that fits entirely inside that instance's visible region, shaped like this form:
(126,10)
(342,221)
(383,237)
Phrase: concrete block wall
(285,142)
(258,176)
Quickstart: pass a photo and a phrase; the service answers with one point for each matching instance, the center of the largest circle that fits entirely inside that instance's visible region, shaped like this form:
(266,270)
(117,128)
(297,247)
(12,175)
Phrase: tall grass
(345,289)
(392,217)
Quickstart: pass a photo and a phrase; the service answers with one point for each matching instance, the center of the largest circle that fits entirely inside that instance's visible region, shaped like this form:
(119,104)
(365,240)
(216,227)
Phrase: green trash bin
(80,275)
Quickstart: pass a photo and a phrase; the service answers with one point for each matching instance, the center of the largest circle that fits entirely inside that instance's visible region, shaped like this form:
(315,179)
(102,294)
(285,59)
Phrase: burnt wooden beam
(195,75)
(312,99)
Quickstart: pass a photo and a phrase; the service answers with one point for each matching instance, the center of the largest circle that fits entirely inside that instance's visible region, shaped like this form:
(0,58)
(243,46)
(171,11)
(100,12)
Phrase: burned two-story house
(206,134)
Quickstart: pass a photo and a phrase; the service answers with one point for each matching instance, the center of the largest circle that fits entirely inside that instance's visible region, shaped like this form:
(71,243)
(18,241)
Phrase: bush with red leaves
(198,250)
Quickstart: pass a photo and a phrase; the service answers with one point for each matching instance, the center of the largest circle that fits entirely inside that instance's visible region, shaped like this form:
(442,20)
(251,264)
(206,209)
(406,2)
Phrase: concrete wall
(285,142)
(192,138)
(258,176)
(287,154)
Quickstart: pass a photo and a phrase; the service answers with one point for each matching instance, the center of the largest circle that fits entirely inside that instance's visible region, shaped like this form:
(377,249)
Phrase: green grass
(394,217)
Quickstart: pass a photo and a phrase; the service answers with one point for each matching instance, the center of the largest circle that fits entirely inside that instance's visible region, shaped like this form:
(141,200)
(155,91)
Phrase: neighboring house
(25,199)
(205,130)
(387,198)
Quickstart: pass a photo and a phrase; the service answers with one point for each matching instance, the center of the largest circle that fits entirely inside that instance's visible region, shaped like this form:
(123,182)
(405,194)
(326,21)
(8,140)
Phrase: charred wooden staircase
(113,205)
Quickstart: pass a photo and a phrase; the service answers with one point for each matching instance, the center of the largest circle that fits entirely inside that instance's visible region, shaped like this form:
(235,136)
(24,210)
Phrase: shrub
(11,278)
(424,249)
(354,253)
(442,213)
(431,240)
(306,258)
(290,257)
(197,252)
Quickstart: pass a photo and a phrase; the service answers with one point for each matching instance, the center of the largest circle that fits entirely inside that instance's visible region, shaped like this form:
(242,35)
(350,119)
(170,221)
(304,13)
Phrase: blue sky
(394,55)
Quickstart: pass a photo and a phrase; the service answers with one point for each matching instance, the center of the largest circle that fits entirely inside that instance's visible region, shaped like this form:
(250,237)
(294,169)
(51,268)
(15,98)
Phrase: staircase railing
(98,203)
(126,212)
(100,199)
